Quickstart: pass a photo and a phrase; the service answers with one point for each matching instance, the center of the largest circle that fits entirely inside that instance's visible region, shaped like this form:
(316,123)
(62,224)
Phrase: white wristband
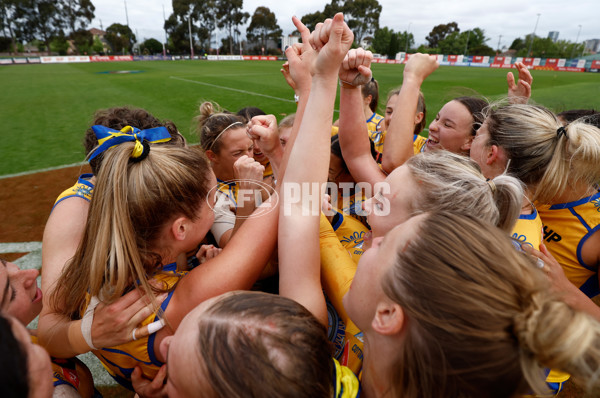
(87,320)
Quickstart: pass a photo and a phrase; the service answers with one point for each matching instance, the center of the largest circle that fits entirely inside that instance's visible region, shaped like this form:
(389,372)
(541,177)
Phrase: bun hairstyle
(452,182)
(117,118)
(546,156)
(211,122)
(481,320)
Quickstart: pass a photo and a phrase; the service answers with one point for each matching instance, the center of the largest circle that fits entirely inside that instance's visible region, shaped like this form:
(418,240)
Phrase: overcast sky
(509,18)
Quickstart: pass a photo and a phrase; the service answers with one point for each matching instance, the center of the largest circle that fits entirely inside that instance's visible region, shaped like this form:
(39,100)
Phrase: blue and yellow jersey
(345,383)
(337,271)
(350,232)
(419,144)
(375,126)
(528,230)
(65,372)
(83,188)
(121,360)
(350,200)
(268,168)
(230,190)
(567,227)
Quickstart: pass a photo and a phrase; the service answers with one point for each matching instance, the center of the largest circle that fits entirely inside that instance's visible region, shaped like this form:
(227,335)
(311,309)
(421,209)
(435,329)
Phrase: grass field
(45,109)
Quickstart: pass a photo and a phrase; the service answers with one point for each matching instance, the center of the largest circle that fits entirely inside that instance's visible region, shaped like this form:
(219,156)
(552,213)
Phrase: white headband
(221,133)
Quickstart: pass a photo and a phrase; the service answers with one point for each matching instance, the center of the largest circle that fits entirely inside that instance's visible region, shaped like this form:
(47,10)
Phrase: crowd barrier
(478,61)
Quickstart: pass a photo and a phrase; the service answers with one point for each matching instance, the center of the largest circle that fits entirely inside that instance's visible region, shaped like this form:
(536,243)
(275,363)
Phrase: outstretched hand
(356,67)
(519,93)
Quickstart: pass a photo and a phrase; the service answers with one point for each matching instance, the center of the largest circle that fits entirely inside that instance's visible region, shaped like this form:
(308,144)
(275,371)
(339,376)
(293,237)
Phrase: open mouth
(38,295)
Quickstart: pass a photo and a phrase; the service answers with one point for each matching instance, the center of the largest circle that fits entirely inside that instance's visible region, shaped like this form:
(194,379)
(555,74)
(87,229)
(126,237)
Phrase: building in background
(553,35)
(592,45)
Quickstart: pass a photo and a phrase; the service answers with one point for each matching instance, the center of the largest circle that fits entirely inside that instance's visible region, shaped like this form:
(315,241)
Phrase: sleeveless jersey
(349,201)
(528,230)
(120,361)
(83,188)
(567,227)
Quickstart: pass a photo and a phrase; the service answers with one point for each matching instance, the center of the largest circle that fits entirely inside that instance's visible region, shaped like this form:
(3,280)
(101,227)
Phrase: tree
(77,12)
(39,19)
(312,19)
(83,40)
(8,10)
(203,21)
(263,26)
(151,46)
(381,40)
(230,16)
(362,16)
(440,32)
(120,37)
(467,42)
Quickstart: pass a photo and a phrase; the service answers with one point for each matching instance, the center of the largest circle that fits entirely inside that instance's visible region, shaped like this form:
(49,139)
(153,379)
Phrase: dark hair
(371,88)
(476,107)
(119,117)
(272,336)
(337,151)
(13,363)
(249,112)
(589,116)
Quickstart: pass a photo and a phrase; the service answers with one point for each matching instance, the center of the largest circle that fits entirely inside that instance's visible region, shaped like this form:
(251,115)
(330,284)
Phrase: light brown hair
(270,336)
(211,121)
(132,203)
(480,318)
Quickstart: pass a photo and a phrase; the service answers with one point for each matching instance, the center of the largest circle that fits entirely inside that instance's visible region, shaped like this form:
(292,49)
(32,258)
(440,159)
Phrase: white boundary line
(231,89)
(24,173)
(236,90)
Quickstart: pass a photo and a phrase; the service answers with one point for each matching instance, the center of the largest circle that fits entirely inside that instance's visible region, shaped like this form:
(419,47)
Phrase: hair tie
(140,151)
(108,137)
(561,131)
(492,185)
(221,133)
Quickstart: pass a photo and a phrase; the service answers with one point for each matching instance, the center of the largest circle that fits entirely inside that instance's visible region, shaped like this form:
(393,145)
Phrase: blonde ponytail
(546,156)
(452,182)
(553,334)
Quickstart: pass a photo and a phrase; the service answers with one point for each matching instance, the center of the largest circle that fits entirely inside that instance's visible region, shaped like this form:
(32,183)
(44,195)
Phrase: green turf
(45,109)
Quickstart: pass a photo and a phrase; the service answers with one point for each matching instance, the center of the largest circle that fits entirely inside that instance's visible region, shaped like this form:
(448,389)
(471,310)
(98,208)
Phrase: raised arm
(353,134)
(520,92)
(398,145)
(302,190)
